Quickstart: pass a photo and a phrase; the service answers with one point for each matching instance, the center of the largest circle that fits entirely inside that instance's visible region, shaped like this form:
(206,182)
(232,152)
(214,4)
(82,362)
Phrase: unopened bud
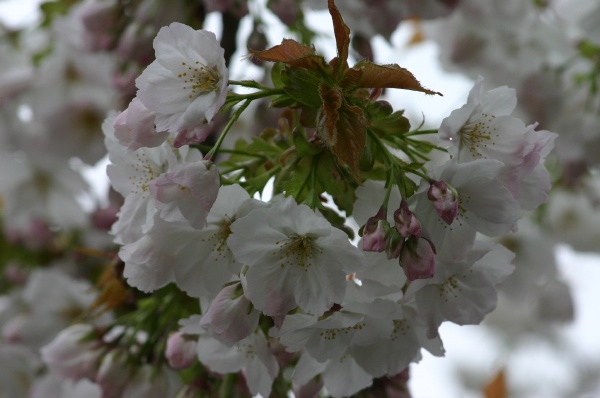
(418,258)
(180,353)
(407,223)
(375,235)
(445,200)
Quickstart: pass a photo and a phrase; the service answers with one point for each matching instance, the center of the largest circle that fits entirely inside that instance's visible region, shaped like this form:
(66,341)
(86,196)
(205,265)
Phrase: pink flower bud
(230,316)
(375,235)
(418,258)
(180,353)
(407,224)
(445,200)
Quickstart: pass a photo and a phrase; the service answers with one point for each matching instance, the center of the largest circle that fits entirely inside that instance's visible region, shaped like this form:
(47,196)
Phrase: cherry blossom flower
(250,355)
(463,291)
(130,174)
(199,261)
(187,83)
(484,203)
(483,127)
(295,258)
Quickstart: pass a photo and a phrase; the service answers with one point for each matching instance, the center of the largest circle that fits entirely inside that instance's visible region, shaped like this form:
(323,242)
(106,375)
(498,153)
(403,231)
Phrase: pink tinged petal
(134,127)
(445,200)
(192,135)
(407,223)
(418,259)
(180,352)
(230,316)
(189,191)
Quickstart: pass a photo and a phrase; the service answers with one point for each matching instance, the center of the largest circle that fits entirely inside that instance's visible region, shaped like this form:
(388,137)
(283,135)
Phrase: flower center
(297,250)
(198,79)
(478,134)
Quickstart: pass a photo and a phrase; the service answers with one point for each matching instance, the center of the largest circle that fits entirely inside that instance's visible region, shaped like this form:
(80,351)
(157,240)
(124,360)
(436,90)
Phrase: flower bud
(394,245)
(71,355)
(180,353)
(375,235)
(407,224)
(113,375)
(445,200)
(230,316)
(418,258)
(375,232)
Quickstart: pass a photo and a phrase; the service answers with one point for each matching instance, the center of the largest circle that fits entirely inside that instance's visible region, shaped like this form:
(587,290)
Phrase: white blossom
(187,83)
(295,258)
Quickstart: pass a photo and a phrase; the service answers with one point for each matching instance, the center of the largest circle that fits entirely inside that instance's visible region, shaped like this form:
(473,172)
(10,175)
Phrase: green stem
(206,148)
(227,385)
(391,159)
(422,132)
(212,153)
(266,92)
(249,84)
(389,184)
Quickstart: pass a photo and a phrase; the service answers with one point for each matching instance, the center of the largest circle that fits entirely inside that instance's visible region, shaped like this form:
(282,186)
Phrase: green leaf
(303,147)
(303,86)
(294,180)
(333,181)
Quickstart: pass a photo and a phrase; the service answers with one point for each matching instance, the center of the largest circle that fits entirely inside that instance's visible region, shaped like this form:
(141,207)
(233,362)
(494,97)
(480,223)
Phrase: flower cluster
(318,252)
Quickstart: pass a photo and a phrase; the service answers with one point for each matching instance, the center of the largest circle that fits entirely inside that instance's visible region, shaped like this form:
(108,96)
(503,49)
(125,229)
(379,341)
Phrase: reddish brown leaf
(328,116)
(388,76)
(497,387)
(343,128)
(352,134)
(342,36)
(293,53)
(288,51)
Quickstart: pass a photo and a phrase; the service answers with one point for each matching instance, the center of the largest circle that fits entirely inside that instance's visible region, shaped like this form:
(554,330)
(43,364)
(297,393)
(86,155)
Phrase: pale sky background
(473,347)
